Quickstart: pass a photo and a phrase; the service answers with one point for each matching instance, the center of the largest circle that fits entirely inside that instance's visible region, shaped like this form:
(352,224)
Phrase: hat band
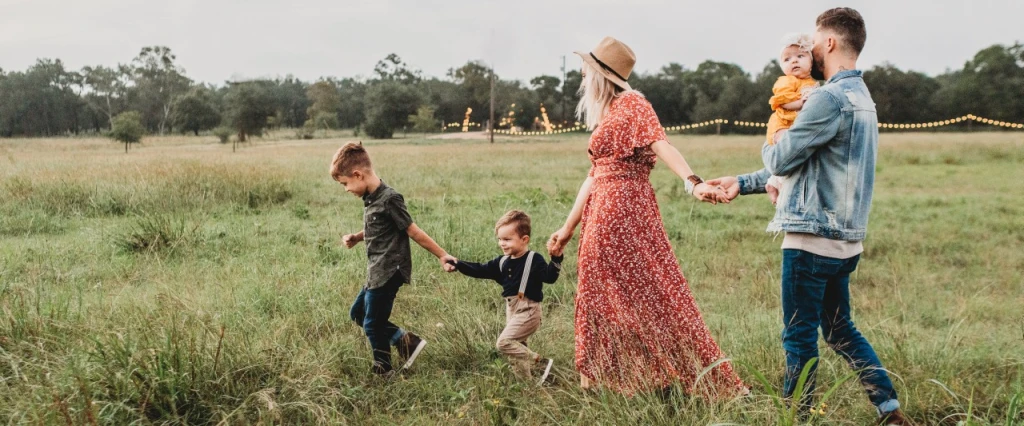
(606,67)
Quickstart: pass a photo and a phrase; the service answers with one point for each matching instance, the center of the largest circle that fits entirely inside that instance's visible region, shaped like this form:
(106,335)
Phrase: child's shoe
(409,347)
(546,363)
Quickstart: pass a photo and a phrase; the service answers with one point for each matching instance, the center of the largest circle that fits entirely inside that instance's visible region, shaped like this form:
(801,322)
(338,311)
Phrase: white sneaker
(548,362)
(420,344)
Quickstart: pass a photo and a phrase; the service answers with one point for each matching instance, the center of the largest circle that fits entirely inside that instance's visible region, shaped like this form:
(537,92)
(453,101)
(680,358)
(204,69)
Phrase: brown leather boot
(895,418)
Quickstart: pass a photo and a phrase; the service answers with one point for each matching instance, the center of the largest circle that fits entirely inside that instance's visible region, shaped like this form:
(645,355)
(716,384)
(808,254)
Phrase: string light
(951,121)
(681,127)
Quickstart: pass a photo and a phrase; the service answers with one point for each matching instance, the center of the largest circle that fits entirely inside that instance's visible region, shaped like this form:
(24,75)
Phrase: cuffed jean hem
(887,407)
(397,336)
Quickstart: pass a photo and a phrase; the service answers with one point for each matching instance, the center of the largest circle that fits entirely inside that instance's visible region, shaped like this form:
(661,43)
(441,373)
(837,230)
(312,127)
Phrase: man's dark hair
(847,24)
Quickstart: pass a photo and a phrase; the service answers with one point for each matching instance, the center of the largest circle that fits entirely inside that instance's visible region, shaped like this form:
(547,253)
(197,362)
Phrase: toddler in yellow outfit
(789,92)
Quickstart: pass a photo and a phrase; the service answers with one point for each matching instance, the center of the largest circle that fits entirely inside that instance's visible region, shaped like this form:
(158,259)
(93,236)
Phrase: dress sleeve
(786,90)
(637,125)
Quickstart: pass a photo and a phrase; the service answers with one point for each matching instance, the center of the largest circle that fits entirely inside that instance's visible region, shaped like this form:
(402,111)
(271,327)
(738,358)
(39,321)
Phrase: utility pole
(491,124)
(563,90)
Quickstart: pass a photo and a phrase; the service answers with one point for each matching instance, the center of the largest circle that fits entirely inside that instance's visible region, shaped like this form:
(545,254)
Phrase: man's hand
(773,193)
(448,262)
(730,185)
(351,240)
(710,194)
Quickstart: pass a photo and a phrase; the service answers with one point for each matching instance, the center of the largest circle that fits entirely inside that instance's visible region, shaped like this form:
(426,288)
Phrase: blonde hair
(348,158)
(517,217)
(596,94)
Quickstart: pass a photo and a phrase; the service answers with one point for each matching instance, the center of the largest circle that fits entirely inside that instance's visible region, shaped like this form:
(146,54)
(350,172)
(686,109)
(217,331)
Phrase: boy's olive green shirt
(385,224)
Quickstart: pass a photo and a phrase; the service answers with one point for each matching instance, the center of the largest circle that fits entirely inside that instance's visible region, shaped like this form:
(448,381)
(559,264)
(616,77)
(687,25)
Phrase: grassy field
(181,283)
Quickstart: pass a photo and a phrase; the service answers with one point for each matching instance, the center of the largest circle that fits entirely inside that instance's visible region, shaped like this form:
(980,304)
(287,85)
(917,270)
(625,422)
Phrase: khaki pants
(522,319)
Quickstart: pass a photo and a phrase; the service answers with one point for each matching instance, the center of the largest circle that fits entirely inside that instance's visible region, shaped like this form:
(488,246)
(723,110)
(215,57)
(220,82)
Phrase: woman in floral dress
(638,327)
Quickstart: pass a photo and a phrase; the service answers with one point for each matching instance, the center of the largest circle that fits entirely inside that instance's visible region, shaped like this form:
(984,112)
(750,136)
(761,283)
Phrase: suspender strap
(526,275)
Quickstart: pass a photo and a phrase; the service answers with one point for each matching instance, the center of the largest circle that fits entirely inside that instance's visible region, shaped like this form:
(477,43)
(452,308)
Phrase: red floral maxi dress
(637,324)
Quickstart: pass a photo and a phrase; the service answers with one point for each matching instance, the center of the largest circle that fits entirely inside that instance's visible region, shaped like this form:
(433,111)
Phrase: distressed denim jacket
(828,157)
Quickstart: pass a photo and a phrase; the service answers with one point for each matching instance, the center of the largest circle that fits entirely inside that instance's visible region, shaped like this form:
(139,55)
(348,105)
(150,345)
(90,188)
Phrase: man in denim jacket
(829,157)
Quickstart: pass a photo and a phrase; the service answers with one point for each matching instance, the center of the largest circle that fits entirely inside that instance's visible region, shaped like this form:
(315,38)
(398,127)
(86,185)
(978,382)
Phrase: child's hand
(773,193)
(778,135)
(448,262)
(555,251)
(351,240)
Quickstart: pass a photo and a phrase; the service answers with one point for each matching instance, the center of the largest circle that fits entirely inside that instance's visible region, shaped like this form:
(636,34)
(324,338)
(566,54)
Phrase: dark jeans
(816,293)
(372,311)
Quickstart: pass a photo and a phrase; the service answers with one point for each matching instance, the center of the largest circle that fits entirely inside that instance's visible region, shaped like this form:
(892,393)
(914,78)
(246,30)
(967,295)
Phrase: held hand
(710,194)
(773,193)
(350,240)
(559,240)
(448,262)
(554,251)
(730,185)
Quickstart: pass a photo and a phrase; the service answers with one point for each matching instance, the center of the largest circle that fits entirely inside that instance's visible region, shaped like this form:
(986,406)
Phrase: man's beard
(817,70)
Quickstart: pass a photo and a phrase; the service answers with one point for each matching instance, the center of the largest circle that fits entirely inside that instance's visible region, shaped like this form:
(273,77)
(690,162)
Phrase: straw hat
(613,59)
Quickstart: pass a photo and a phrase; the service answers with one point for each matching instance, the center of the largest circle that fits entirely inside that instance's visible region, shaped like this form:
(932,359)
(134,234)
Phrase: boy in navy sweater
(521,274)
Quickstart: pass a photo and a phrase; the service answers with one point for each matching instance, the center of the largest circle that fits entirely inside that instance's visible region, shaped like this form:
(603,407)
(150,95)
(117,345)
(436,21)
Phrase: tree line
(154,93)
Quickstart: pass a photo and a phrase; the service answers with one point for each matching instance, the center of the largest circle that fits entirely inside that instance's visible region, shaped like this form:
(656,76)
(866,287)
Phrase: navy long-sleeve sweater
(511,274)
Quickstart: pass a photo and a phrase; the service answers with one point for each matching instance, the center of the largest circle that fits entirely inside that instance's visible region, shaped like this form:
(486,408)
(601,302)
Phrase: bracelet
(691,182)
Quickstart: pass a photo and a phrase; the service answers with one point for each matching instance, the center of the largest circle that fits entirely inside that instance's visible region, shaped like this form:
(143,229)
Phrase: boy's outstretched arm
(428,243)
(488,271)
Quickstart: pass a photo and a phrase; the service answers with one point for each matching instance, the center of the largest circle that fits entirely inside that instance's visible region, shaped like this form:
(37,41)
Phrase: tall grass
(182,283)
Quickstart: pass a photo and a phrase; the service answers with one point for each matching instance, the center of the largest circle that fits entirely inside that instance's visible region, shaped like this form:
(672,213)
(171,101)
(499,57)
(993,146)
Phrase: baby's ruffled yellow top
(787,89)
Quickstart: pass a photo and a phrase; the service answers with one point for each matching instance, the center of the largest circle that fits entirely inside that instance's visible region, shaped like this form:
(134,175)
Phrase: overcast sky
(219,39)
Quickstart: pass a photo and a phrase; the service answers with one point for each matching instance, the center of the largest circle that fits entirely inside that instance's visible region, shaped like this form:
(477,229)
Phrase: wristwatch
(691,182)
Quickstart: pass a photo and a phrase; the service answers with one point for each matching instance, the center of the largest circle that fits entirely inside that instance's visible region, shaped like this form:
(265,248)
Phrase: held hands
(350,240)
(556,244)
(713,194)
(448,262)
(729,184)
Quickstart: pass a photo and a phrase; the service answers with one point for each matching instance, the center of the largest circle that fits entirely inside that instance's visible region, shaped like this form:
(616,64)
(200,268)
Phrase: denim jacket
(828,157)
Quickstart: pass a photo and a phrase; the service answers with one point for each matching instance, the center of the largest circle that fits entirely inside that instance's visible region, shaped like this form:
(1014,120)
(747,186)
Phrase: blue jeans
(372,311)
(816,293)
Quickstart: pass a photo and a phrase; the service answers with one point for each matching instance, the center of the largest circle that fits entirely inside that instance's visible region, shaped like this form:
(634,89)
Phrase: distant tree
(989,85)
(223,133)
(573,80)
(392,68)
(108,89)
(39,101)
(195,111)
(248,105)
(549,93)
(158,81)
(388,106)
(325,103)
(352,92)
(474,80)
(423,121)
(901,96)
(290,102)
(127,128)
